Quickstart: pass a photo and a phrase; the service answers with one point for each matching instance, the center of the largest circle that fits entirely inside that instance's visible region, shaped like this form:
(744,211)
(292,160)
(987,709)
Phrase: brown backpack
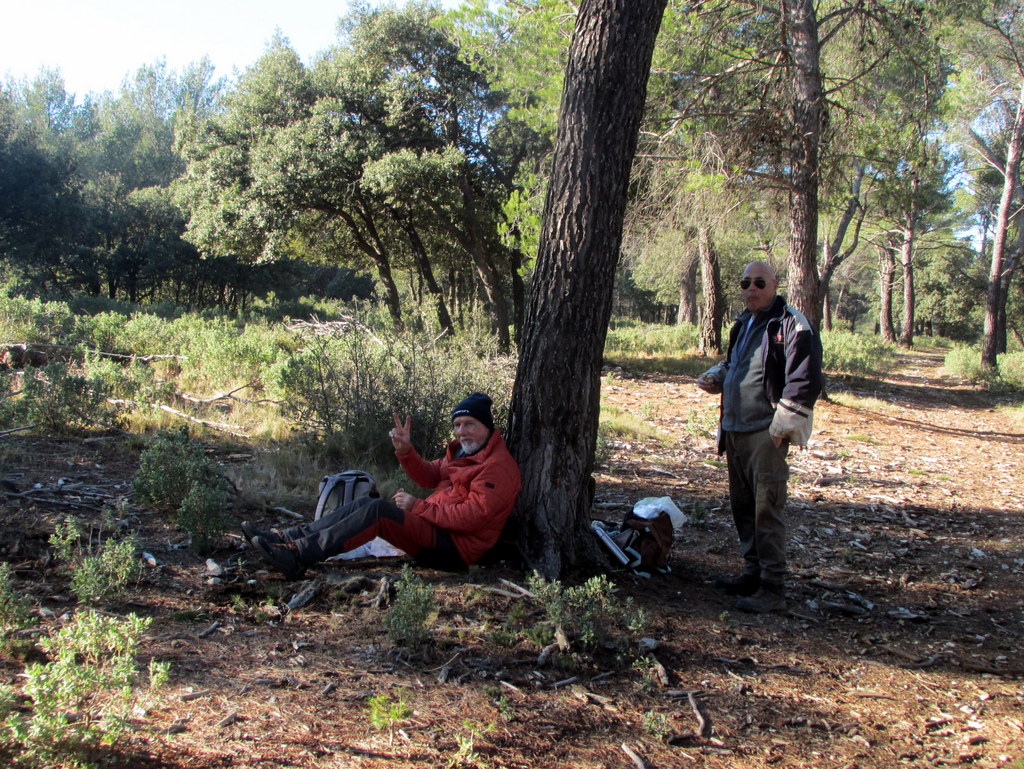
(651,538)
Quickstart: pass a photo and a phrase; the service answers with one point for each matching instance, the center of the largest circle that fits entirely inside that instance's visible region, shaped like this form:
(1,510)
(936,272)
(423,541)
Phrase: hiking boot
(767,598)
(745,584)
(271,536)
(283,557)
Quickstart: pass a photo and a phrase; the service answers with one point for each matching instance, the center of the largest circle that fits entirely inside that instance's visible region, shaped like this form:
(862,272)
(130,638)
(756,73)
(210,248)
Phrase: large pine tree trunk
(808,113)
(556,398)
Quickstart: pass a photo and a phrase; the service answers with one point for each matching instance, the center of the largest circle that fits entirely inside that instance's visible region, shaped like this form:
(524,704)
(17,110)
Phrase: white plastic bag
(649,507)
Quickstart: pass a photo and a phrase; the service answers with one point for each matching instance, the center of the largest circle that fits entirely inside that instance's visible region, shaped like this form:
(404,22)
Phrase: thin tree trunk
(995,298)
(886,276)
(556,400)
(907,260)
(835,254)
(422,259)
(710,338)
(687,312)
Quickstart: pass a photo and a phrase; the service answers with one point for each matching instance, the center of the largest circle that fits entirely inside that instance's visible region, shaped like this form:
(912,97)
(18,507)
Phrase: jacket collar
(772,311)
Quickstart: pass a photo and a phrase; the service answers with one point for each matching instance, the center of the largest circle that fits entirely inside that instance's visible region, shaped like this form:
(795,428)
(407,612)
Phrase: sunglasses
(745,283)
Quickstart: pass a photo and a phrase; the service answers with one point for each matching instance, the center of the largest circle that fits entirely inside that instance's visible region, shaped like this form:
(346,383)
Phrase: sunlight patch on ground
(862,402)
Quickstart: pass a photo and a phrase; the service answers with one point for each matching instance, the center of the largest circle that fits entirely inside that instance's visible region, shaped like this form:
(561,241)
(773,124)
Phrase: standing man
(475,487)
(769,382)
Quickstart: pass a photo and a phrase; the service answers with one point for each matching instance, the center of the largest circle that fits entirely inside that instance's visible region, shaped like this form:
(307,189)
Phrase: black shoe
(768,598)
(271,536)
(283,557)
(745,584)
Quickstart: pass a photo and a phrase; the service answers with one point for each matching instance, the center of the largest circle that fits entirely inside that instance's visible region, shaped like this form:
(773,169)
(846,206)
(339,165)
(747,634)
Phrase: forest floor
(902,645)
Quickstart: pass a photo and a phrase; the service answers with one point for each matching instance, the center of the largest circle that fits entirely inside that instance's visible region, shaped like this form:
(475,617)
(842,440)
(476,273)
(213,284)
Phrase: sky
(96,44)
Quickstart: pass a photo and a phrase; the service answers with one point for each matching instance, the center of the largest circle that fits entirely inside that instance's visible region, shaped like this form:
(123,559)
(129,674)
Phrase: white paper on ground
(375,548)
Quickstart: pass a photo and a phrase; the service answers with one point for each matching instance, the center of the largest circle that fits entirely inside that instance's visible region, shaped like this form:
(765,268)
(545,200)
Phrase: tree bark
(907,260)
(422,259)
(808,115)
(995,297)
(835,254)
(556,397)
(886,275)
(687,311)
(710,337)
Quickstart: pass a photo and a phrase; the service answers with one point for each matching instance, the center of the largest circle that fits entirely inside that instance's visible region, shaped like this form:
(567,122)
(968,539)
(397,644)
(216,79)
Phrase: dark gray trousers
(758,473)
(362,519)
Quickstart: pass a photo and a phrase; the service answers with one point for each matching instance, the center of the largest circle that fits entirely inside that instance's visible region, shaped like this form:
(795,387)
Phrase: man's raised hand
(401,433)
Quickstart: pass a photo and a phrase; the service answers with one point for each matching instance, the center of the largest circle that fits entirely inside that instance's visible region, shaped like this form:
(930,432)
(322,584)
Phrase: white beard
(470,447)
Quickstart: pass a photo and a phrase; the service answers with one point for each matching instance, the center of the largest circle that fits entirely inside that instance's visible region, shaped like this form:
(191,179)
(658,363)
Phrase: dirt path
(902,646)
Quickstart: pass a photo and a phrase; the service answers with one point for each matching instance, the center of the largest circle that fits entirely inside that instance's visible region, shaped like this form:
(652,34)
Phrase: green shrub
(845,352)
(1011,369)
(32,320)
(589,613)
(175,474)
(58,401)
(169,467)
(98,571)
(651,339)
(14,612)
(386,714)
(408,621)
(201,514)
(345,388)
(82,697)
(965,361)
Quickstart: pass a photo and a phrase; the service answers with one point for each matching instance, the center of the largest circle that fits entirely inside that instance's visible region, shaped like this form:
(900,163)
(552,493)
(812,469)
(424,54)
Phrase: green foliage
(669,349)
(409,619)
(849,353)
(650,339)
(98,571)
(657,725)
(14,609)
(592,612)
(1011,369)
(387,714)
(965,361)
(466,739)
(345,388)
(32,320)
(175,474)
(59,402)
(82,697)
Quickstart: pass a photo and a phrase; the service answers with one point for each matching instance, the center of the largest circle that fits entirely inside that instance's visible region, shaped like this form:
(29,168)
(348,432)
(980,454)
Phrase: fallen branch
(161,407)
(703,725)
(522,590)
(634,756)
(16,429)
(223,396)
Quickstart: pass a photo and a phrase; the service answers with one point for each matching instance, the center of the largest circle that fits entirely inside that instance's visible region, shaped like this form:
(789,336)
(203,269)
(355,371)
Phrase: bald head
(759,285)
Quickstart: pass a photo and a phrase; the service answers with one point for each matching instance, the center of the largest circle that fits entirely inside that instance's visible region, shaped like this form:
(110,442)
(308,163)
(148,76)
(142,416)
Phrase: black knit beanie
(476,405)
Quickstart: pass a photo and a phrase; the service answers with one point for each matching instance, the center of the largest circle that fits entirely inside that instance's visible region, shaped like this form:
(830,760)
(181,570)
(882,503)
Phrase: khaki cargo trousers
(758,473)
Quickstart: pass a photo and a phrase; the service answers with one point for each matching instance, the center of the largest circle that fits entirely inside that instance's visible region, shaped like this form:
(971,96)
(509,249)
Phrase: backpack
(341,488)
(650,538)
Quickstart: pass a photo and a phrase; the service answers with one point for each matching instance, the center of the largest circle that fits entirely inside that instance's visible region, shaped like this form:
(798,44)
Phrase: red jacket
(473,496)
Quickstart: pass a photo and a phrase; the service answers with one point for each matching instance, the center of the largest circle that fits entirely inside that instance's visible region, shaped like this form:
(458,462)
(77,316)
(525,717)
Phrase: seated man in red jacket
(475,487)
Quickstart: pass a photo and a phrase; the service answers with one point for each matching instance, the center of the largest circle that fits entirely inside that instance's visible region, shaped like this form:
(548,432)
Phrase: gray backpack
(341,488)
